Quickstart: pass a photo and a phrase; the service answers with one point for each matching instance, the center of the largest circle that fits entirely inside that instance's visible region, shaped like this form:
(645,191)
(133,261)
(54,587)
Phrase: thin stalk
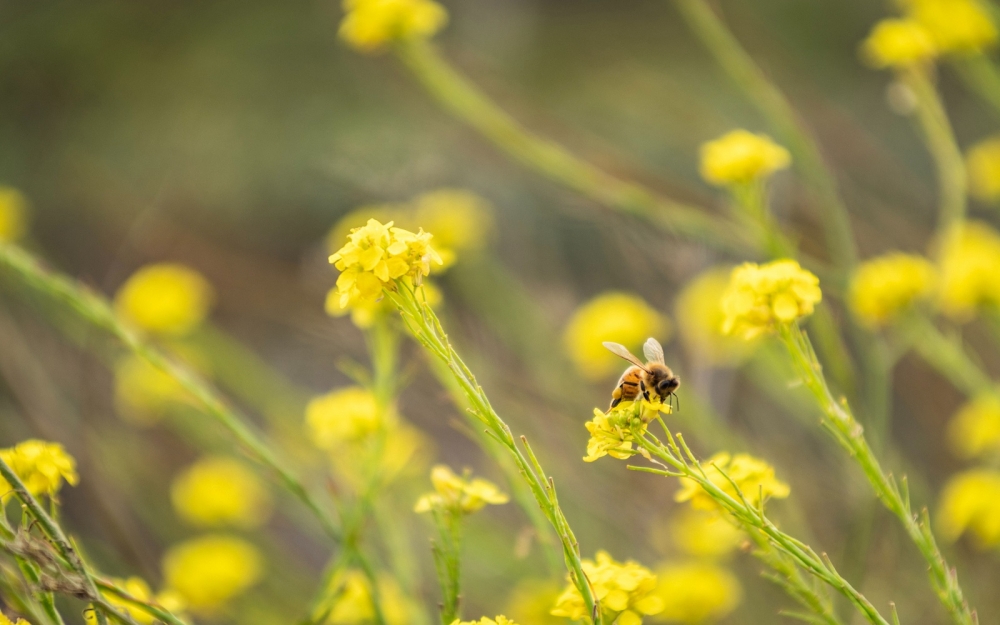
(108,588)
(447,551)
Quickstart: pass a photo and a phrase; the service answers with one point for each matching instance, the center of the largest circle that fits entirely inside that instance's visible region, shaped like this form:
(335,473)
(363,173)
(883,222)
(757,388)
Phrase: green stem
(108,588)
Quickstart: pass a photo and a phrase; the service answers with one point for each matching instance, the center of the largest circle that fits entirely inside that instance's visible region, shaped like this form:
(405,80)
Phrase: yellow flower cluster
(41,465)
(694,593)
(898,43)
(612,316)
(165,298)
(611,434)
(762,297)
(956,26)
(982,163)
(354,605)
(459,494)
(974,431)
(345,415)
(700,319)
(754,477)
(740,157)
(4,620)
(378,254)
(137,587)
(370,25)
(883,287)
(970,502)
(626,592)
(499,620)
(13,214)
(211,570)
(967,265)
(218,491)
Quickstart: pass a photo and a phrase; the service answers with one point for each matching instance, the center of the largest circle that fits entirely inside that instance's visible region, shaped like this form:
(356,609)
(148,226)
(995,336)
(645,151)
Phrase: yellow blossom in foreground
(459,493)
(166,298)
(612,316)
(967,265)
(753,476)
(217,491)
(342,416)
(4,620)
(898,43)
(211,570)
(970,502)
(761,297)
(369,25)
(138,588)
(956,26)
(41,465)
(883,287)
(611,434)
(354,602)
(365,313)
(975,429)
(982,162)
(531,602)
(695,593)
(703,534)
(740,157)
(500,620)
(700,318)
(13,214)
(626,592)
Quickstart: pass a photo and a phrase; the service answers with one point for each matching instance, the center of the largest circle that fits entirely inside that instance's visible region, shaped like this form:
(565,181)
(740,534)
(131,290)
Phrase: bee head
(668,385)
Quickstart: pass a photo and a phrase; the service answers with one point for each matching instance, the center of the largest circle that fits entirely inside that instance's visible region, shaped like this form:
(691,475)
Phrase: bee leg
(616,401)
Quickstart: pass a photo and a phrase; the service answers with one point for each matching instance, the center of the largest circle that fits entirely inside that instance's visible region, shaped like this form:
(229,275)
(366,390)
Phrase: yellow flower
(531,602)
(970,502)
(967,264)
(982,162)
(13,214)
(754,477)
(460,220)
(400,213)
(4,620)
(975,429)
(957,26)
(342,416)
(500,620)
(898,43)
(740,157)
(354,601)
(369,25)
(41,465)
(365,313)
(166,298)
(610,433)
(217,491)
(761,297)
(211,570)
(459,494)
(626,592)
(611,316)
(696,593)
(883,287)
(377,255)
(138,588)
(700,318)
(702,534)
(143,393)
(405,450)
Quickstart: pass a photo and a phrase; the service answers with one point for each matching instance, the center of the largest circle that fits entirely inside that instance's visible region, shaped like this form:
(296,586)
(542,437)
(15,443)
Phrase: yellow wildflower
(982,162)
(700,318)
(460,220)
(500,620)
(883,287)
(611,316)
(354,602)
(41,465)
(898,43)
(695,593)
(740,157)
(761,297)
(975,429)
(967,264)
(699,533)
(970,502)
(5,620)
(13,214)
(138,588)
(211,570)
(165,298)
(626,592)
(364,313)
(955,26)
(611,434)
(219,490)
(459,494)
(342,416)
(369,25)
(400,213)
(378,254)
(531,602)
(754,477)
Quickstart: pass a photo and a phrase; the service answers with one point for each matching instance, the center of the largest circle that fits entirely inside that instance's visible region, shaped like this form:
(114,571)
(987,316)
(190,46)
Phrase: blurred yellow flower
(703,534)
(700,318)
(378,254)
(369,25)
(500,620)
(4,620)
(898,43)
(975,429)
(405,450)
(460,220)
(754,477)
(970,502)
(165,298)
(217,491)
(144,393)
(761,297)
(354,604)
(531,602)
(13,214)
(211,570)
(41,465)
(740,157)
(883,287)
(955,26)
(967,265)
(342,416)
(696,593)
(611,316)
(137,587)
(459,493)
(982,162)
(626,592)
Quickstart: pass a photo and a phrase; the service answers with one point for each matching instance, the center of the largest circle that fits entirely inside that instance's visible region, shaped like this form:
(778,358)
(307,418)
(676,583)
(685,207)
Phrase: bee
(653,379)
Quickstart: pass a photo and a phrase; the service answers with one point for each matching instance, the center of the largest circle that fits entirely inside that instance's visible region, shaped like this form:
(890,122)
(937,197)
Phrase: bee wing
(653,351)
(621,351)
